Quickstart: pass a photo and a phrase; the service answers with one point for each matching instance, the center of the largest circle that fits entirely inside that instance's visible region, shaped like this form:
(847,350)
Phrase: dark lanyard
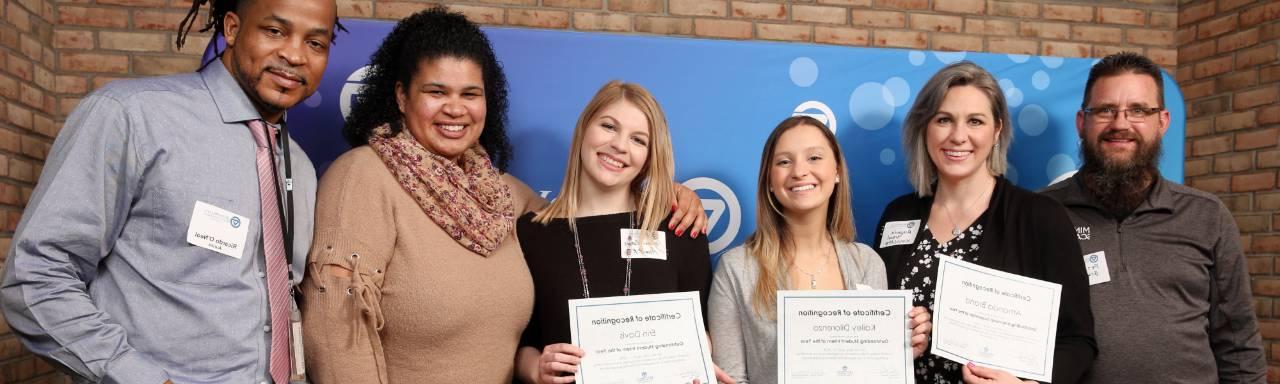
(286,197)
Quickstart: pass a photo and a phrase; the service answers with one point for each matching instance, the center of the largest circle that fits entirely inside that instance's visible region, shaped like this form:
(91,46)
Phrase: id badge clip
(298,362)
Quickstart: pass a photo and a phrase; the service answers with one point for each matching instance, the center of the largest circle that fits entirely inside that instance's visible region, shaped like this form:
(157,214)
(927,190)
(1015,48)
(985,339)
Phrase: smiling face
(1121,142)
(960,136)
(277,50)
(804,170)
(615,145)
(444,105)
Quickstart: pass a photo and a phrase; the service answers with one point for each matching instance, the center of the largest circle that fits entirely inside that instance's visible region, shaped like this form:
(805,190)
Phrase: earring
(837,179)
(997,146)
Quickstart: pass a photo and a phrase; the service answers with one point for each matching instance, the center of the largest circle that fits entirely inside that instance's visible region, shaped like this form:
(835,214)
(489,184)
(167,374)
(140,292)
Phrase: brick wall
(1223,52)
(1230,78)
(28,115)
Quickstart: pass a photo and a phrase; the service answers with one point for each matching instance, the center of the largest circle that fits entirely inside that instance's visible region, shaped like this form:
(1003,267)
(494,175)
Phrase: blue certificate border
(901,302)
(938,315)
(694,309)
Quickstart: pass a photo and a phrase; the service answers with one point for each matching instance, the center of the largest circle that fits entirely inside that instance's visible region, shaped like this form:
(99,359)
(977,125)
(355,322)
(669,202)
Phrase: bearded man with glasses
(1168,281)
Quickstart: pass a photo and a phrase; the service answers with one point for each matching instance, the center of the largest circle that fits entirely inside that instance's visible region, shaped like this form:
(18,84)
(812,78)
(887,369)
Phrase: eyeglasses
(1108,114)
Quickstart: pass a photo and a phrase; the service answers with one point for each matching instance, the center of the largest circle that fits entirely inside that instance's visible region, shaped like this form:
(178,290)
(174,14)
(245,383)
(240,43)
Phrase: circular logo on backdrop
(817,110)
(235,222)
(723,204)
(353,86)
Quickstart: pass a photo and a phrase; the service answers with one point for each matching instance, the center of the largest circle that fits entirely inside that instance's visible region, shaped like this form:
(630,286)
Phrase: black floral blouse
(921,280)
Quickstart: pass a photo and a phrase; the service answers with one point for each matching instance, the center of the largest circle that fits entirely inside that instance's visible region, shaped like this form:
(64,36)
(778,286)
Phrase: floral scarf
(467,198)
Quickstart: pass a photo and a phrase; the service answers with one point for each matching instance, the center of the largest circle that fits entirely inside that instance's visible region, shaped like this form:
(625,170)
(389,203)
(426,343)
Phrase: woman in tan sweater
(415,274)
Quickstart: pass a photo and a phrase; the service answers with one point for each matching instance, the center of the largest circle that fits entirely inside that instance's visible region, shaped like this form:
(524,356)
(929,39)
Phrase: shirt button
(262,275)
(262,382)
(266,328)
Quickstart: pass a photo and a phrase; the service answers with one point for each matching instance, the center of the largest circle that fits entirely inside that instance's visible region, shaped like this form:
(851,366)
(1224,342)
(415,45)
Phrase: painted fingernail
(694,234)
(679,232)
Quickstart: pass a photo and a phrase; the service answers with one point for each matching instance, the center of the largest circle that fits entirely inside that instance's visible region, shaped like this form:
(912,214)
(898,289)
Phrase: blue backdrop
(723,97)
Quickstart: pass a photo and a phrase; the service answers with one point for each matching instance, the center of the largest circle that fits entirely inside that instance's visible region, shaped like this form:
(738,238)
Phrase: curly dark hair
(428,35)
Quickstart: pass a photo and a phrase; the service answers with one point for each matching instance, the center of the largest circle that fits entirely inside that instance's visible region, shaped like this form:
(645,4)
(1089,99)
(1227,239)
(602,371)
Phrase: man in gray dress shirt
(111,274)
(1168,281)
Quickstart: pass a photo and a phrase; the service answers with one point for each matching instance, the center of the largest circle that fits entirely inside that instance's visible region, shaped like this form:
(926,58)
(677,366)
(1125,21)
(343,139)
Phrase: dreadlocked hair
(217,11)
(428,35)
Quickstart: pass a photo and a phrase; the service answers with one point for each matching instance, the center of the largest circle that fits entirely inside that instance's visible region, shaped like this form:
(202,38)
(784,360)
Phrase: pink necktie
(273,244)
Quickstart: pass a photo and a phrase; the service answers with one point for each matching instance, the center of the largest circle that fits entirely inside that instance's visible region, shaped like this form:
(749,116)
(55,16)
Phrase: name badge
(642,244)
(1095,265)
(217,230)
(899,233)
(862,287)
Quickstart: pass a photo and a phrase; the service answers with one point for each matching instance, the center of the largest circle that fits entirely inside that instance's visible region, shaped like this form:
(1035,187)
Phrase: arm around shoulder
(523,198)
(354,239)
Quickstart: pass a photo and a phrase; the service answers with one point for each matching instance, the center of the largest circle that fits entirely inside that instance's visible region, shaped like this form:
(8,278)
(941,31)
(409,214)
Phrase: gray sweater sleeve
(728,343)
(1233,330)
(873,273)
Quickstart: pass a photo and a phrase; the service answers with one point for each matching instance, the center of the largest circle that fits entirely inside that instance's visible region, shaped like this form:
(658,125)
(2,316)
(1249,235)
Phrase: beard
(249,79)
(1120,185)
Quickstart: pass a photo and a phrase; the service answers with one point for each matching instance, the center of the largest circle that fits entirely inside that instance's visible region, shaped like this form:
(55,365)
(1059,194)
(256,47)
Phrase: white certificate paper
(641,339)
(995,319)
(844,336)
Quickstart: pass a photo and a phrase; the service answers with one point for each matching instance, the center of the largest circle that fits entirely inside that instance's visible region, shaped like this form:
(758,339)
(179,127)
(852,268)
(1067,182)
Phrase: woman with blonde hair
(804,240)
(605,234)
(956,137)
(415,274)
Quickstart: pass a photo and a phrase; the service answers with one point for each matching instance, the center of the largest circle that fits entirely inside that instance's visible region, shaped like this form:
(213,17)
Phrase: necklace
(955,226)
(813,277)
(582,267)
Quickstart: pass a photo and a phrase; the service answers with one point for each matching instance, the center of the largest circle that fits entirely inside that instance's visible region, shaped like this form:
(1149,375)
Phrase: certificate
(995,319)
(844,336)
(641,339)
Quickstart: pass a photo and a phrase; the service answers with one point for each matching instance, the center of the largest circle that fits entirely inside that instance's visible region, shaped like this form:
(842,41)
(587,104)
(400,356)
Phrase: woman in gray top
(803,241)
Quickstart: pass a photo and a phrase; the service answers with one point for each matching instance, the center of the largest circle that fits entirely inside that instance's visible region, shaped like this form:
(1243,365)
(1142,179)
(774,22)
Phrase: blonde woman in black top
(617,188)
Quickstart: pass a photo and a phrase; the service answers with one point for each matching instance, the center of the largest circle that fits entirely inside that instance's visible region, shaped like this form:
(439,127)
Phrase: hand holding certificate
(996,319)
(844,336)
(641,339)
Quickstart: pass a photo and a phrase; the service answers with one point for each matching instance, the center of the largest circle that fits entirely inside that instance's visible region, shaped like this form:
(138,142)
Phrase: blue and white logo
(817,110)
(726,202)
(353,86)
(235,221)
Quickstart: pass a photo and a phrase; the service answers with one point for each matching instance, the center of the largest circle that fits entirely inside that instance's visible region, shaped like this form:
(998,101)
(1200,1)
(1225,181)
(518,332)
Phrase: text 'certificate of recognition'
(995,319)
(844,336)
(641,339)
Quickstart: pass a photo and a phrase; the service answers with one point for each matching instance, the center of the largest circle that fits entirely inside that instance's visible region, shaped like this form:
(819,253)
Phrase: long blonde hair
(652,189)
(771,244)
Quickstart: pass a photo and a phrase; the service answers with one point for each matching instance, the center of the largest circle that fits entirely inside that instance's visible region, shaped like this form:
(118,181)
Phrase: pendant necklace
(582,267)
(813,277)
(955,227)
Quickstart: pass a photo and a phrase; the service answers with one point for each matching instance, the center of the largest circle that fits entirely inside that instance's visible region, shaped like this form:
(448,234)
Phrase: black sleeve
(695,271)
(898,209)
(531,337)
(1054,242)
(526,235)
